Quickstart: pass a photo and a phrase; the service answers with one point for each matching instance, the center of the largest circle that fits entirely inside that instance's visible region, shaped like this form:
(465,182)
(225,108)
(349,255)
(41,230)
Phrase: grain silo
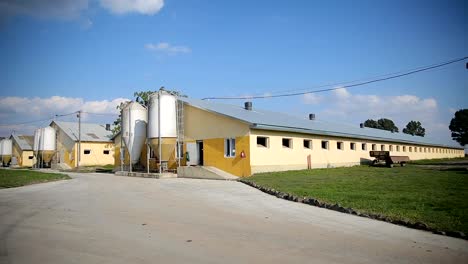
(134,121)
(162,126)
(47,145)
(6,149)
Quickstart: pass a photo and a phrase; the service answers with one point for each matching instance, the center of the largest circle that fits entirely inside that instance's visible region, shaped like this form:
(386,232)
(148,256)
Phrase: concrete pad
(101,218)
(204,172)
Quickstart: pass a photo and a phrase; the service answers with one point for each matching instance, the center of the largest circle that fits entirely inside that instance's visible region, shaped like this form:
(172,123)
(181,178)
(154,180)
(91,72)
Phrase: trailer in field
(384,157)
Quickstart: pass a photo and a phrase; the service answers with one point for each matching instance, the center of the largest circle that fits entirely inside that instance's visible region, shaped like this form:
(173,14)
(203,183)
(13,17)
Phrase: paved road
(98,218)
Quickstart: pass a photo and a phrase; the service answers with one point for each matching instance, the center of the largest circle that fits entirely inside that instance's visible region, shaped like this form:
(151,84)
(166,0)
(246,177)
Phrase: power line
(108,114)
(392,76)
(67,114)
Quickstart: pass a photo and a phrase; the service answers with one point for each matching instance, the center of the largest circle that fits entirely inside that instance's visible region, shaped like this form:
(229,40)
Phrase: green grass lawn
(440,161)
(16,178)
(437,198)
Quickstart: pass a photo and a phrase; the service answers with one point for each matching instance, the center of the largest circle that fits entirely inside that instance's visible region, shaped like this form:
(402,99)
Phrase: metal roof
(89,132)
(24,142)
(269,120)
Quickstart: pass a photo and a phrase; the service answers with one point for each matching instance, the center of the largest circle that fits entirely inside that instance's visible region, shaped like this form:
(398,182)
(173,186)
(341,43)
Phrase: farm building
(23,150)
(244,140)
(96,145)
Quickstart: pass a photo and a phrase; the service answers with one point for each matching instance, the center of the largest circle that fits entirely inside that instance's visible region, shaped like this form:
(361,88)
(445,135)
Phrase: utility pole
(79,138)
(130,137)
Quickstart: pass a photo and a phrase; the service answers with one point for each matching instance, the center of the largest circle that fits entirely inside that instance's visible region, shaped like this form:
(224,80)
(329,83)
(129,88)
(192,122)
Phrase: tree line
(413,128)
(458,126)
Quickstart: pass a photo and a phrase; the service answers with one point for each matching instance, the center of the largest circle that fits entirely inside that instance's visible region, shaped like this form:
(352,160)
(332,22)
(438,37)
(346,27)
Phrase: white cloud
(342,93)
(344,107)
(167,48)
(310,98)
(146,7)
(16,110)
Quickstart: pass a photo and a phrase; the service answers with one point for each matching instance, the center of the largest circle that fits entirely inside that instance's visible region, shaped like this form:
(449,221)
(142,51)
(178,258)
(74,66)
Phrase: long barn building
(245,140)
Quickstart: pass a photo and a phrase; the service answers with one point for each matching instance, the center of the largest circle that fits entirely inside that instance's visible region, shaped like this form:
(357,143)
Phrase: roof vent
(248,106)
(108,127)
(311,116)
(361,125)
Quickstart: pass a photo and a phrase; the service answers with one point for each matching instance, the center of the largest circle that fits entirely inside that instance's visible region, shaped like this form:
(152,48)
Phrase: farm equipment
(384,157)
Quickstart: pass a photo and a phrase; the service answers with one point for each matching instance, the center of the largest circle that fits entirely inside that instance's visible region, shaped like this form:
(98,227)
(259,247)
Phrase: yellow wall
(213,155)
(22,156)
(200,124)
(97,156)
(276,157)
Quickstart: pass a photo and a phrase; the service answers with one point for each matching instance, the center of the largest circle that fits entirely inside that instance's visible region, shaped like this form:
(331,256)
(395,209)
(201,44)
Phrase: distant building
(246,140)
(97,148)
(23,150)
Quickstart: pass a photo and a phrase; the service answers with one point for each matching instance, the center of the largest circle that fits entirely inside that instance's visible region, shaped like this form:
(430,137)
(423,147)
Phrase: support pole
(122,149)
(159,130)
(147,156)
(79,139)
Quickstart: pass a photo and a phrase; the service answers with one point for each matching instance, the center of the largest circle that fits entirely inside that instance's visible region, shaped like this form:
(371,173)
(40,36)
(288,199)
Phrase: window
(374,147)
(307,143)
(180,150)
(324,144)
(87,151)
(404,148)
(230,147)
(364,146)
(397,148)
(420,149)
(31,157)
(339,145)
(106,152)
(390,148)
(262,142)
(415,149)
(382,147)
(410,149)
(352,146)
(287,143)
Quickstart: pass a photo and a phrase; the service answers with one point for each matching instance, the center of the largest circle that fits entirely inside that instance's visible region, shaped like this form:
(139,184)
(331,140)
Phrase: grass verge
(17,178)
(437,198)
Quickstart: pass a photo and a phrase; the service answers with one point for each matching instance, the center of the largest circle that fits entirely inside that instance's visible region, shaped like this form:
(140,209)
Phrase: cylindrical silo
(37,139)
(47,144)
(162,106)
(134,120)
(6,147)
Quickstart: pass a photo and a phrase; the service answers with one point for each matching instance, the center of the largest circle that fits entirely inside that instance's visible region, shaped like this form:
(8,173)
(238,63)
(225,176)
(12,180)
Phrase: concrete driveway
(99,218)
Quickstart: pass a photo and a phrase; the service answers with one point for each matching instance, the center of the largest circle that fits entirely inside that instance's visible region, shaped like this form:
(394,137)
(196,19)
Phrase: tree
(459,126)
(371,123)
(382,123)
(414,128)
(142,98)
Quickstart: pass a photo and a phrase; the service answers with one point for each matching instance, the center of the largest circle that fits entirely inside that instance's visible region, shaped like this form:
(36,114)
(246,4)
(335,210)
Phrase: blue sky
(91,54)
